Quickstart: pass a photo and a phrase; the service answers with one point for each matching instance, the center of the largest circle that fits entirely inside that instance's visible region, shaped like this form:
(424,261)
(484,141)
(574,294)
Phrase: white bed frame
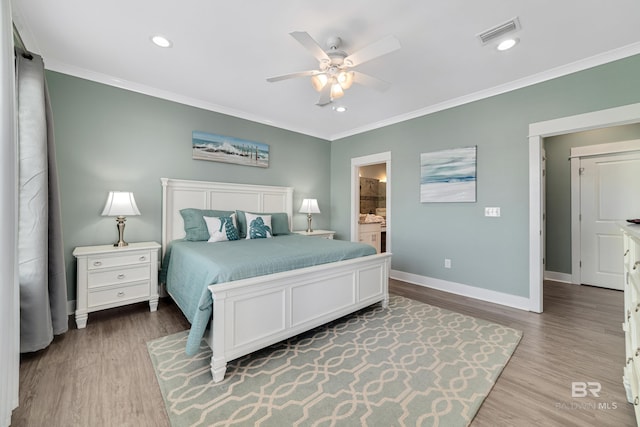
(254,313)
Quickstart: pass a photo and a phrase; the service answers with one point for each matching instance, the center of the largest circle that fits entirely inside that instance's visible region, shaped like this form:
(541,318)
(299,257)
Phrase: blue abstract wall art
(448,175)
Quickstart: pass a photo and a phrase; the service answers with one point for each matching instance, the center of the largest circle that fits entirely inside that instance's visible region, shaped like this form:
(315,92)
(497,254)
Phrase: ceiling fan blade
(311,45)
(292,75)
(325,95)
(370,81)
(372,51)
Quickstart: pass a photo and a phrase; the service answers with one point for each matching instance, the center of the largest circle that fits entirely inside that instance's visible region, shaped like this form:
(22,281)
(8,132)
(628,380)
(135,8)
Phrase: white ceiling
(224,50)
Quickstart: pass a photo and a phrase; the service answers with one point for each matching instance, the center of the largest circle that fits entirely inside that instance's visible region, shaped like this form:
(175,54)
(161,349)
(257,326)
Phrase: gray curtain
(43,284)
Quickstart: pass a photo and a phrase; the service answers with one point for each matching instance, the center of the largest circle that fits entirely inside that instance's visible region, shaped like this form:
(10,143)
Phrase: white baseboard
(501,298)
(557,277)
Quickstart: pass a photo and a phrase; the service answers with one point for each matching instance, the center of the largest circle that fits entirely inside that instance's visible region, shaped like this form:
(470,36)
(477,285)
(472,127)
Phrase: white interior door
(608,194)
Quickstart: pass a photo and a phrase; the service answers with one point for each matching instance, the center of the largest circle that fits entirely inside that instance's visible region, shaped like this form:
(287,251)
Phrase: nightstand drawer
(104,261)
(118,275)
(117,294)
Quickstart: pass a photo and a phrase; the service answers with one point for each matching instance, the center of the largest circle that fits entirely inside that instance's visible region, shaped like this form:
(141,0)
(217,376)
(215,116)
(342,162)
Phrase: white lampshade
(120,203)
(309,206)
(336,90)
(318,81)
(345,79)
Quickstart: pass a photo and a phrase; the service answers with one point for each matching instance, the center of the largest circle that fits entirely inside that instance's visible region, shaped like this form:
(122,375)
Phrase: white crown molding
(593,61)
(64,68)
(584,64)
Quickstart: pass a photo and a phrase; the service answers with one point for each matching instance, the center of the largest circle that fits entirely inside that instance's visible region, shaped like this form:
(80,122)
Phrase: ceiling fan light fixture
(345,79)
(336,90)
(318,81)
(333,75)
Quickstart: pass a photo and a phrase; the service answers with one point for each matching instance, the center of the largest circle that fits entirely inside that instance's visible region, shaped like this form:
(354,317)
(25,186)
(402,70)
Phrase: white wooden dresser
(111,276)
(631,325)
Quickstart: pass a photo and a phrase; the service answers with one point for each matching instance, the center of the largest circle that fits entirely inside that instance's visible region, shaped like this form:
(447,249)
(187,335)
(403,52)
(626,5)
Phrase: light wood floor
(102,375)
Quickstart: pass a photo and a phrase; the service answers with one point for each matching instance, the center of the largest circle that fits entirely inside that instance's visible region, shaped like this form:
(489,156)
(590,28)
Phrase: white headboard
(179,194)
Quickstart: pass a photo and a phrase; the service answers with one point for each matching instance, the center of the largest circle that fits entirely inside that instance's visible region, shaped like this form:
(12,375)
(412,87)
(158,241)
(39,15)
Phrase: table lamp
(309,206)
(120,204)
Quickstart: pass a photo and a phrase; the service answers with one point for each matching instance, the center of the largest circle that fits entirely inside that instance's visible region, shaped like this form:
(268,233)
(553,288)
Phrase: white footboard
(254,313)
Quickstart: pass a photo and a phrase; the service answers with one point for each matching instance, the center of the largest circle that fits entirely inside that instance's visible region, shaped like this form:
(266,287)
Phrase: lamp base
(120,224)
(309,230)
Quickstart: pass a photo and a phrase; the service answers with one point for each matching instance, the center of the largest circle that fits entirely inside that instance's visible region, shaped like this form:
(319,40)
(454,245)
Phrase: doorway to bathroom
(371,200)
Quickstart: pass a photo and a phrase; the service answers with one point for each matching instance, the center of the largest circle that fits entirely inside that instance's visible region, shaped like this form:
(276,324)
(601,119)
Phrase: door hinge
(580,171)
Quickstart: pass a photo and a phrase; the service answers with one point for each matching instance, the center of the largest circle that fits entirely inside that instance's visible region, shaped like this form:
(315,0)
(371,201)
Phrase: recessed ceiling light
(507,44)
(339,108)
(161,41)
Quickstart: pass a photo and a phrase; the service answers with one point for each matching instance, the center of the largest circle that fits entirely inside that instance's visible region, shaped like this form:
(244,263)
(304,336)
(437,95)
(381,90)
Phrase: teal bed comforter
(190,267)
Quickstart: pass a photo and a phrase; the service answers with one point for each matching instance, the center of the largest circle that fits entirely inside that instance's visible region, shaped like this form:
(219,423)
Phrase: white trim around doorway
(617,116)
(356,163)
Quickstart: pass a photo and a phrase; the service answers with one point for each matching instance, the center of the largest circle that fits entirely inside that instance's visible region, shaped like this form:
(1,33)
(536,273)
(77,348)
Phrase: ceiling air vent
(499,31)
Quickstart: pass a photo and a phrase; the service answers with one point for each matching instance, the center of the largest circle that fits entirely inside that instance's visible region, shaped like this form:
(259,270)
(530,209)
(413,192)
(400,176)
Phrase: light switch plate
(495,211)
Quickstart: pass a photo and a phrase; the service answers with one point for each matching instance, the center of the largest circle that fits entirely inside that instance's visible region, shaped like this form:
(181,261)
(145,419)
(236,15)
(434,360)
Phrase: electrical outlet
(447,263)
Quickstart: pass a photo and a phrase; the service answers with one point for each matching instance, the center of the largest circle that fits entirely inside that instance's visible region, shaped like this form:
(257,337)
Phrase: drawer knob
(143,258)
(120,276)
(635,266)
(121,293)
(97,263)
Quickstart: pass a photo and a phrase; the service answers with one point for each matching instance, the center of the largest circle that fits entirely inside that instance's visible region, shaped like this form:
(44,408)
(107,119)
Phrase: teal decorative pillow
(221,229)
(258,226)
(194,226)
(279,223)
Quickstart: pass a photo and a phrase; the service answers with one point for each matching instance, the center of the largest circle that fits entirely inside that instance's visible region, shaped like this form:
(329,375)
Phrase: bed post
(217,337)
(385,282)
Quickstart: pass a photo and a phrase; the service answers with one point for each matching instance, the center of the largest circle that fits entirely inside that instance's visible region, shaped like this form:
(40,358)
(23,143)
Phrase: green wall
(489,253)
(558,189)
(113,139)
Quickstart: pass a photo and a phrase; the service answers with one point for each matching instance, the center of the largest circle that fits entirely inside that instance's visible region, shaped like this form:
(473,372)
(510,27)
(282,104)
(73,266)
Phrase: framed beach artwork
(228,149)
(448,175)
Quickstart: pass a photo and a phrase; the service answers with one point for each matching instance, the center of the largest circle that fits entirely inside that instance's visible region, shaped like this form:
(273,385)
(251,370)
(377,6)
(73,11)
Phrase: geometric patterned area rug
(410,364)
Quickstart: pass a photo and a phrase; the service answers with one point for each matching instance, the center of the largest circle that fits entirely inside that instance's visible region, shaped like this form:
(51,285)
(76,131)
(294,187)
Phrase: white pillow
(258,226)
(221,229)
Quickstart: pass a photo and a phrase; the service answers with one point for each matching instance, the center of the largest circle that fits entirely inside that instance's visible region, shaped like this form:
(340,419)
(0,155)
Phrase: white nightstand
(110,276)
(325,234)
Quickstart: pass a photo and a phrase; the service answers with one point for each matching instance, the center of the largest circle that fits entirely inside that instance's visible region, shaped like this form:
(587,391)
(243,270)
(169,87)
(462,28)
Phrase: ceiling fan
(335,73)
